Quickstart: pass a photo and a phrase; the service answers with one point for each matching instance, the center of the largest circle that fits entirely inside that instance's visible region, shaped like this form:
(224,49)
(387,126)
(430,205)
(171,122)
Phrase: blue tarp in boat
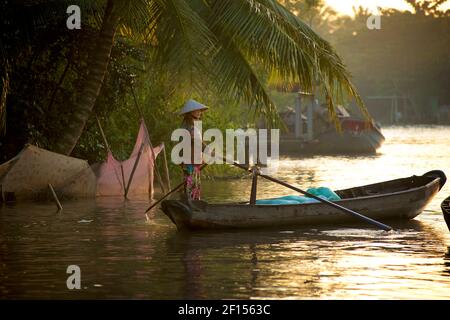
(322,192)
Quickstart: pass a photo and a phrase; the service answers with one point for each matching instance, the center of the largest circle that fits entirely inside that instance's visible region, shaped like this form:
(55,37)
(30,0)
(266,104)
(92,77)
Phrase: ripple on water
(122,255)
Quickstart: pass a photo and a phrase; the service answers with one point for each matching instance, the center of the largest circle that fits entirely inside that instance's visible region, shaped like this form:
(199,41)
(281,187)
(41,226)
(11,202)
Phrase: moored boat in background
(315,133)
(357,137)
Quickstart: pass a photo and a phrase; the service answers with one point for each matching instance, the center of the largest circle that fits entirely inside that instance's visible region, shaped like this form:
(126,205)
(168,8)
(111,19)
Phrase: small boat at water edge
(400,199)
(445,206)
(357,137)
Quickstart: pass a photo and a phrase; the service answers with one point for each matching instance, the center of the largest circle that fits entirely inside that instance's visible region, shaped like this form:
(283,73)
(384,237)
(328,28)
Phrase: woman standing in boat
(192,111)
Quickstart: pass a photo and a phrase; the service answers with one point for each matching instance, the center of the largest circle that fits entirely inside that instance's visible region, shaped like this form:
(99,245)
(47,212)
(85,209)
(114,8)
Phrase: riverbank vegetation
(55,81)
(407,57)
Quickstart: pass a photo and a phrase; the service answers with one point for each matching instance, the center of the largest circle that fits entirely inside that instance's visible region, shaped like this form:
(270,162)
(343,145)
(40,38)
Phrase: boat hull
(400,205)
(367,142)
(445,206)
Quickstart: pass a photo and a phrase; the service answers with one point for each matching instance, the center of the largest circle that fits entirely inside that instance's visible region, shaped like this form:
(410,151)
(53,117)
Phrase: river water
(123,256)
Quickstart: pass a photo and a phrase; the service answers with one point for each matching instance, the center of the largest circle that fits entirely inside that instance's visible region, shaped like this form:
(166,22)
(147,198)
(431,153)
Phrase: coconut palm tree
(219,39)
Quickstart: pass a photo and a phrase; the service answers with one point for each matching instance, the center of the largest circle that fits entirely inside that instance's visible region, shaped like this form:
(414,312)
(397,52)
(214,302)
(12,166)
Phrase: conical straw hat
(192,105)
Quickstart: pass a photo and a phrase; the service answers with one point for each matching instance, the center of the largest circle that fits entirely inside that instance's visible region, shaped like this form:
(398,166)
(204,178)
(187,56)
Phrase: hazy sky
(345,6)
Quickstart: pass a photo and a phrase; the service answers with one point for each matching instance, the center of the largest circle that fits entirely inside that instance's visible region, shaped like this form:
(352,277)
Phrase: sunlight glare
(345,7)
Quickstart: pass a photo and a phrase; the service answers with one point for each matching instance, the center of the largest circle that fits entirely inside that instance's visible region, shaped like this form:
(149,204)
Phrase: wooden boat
(445,206)
(395,199)
(332,143)
(357,136)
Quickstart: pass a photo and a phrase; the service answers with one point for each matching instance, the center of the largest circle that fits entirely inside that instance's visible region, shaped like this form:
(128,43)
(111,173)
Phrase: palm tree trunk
(97,67)
(3,95)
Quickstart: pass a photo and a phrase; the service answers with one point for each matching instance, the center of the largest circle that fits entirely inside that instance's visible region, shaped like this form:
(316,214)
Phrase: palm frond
(235,77)
(184,40)
(268,33)
(139,19)
(331,69)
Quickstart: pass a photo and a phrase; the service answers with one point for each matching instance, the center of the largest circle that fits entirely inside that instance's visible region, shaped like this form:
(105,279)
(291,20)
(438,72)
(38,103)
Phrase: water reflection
(123,256)
(447,261)
(312,263)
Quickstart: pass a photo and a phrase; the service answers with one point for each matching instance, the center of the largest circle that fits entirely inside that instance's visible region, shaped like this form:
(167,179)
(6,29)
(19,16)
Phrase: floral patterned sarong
(192,180)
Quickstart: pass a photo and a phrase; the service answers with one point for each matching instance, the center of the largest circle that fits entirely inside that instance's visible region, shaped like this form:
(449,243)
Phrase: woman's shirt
(195,134)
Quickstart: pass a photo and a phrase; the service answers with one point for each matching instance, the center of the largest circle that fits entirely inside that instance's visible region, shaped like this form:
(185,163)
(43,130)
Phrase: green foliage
(283,99)
(407,56)
(159,96)
(170,50)
(35,56)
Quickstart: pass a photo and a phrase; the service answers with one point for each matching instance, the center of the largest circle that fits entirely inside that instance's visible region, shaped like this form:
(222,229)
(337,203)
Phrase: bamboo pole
(254,185)
(109,151)
(123,179)
(103,134)
(134,169)
(158,175)
(155,167)
(166,168)
(58,204)
(60,82)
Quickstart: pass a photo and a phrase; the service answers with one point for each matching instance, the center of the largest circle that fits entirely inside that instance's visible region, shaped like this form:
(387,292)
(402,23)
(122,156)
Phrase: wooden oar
(335,205)
(165,196)
(170,192)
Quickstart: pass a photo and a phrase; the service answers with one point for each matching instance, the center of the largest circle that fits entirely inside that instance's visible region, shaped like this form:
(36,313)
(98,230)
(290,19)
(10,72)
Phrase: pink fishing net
(114,175)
